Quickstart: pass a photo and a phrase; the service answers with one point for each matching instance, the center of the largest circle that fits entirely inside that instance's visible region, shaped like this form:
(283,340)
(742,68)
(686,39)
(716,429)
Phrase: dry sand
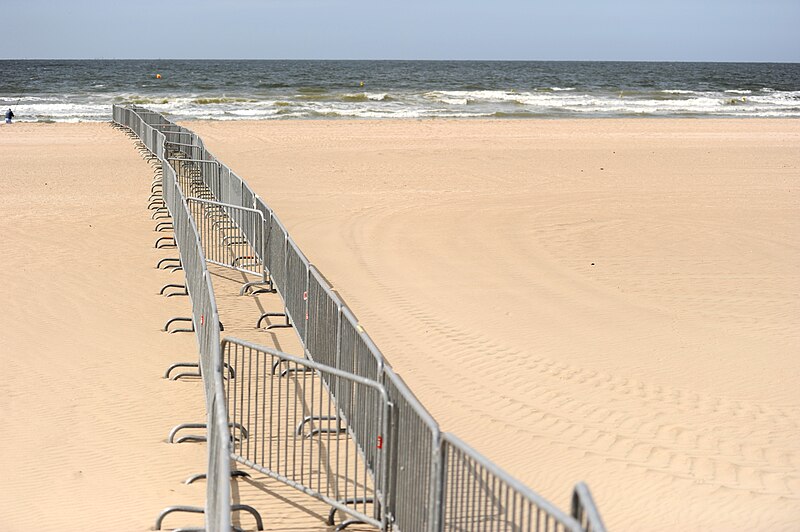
(615,301)
(611,301)
(83,408)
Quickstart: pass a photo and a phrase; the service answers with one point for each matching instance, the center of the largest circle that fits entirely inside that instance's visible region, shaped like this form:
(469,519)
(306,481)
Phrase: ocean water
(73,91)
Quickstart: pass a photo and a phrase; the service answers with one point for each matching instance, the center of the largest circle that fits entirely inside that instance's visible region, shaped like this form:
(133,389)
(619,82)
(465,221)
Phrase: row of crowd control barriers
(337,424)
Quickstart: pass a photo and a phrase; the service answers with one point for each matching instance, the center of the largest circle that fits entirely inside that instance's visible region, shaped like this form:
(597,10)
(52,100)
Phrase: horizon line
(399,60)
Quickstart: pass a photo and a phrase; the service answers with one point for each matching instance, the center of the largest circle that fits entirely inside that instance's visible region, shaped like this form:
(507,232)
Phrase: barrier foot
(174,320)
(347,523)
(168,260)
(235,261)
(275,325)
(248,286)
(171,285)
(193,437)
(196,437)
(165,239)
(200,476)
(311,419)
(163,226)
(182,365)
(231,371)
(289,371)
(252,511)
(352,500)
(184,293)
(172,509)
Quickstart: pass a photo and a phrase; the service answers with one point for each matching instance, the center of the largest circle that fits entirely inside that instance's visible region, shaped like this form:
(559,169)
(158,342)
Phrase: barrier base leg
(168,241)
(188,437)
(174,285)
(175,320)
(347,523)
(274,325)
(353,500)
(167,261)
(248,286)
(235,473)
(172,509)
(252,511)
(310,419)
(184,374)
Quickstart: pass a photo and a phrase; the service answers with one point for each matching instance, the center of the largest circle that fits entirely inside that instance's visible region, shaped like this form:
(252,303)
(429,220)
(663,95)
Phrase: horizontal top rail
(220,204)
(180,143)
(191,160)
(308,363)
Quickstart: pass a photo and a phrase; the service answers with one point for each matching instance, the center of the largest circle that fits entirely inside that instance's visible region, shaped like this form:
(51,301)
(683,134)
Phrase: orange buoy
(158,76)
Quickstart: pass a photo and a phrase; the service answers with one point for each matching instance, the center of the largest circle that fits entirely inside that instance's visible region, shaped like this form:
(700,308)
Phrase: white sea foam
(417,104)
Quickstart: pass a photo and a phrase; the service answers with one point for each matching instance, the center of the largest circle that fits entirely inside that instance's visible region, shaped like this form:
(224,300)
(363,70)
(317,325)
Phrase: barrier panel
(223,229)
(358,353)
(477,495)
(194,175)
(585,510)
(296,293)
(205,320)
(322,326)
(295,431)
(276,255)
(413,497)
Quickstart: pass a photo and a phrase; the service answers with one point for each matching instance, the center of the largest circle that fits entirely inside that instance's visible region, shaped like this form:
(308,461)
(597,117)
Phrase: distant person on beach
(9,116)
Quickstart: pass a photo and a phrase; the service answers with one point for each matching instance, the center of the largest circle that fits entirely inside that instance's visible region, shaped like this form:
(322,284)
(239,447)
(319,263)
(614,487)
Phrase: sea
(84,90)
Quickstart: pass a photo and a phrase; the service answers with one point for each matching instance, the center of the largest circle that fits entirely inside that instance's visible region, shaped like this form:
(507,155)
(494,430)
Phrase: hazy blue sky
(681,30)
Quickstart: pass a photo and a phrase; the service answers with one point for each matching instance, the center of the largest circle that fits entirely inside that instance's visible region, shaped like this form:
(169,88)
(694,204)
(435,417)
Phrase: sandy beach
(614,301)
(85,412)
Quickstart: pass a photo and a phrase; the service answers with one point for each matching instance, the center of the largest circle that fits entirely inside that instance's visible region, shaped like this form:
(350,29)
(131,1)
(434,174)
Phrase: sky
(589,30)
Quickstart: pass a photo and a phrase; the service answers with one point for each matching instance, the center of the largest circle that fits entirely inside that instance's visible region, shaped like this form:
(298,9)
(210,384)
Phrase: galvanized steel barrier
(412,477)
(318,429)
(223,233)
(205,320)
(477,495)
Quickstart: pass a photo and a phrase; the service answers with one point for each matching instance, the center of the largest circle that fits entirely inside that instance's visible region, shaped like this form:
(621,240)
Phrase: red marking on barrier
(306,315)
(202,319)
(305,295)
(380,442)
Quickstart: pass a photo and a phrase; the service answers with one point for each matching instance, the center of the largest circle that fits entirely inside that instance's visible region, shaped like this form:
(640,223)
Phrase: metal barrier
(223,229)
(297,429)
(322,324)
(205,319)
(585,510)
(414,478)
(477,495)
(414,500)
(296,293)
